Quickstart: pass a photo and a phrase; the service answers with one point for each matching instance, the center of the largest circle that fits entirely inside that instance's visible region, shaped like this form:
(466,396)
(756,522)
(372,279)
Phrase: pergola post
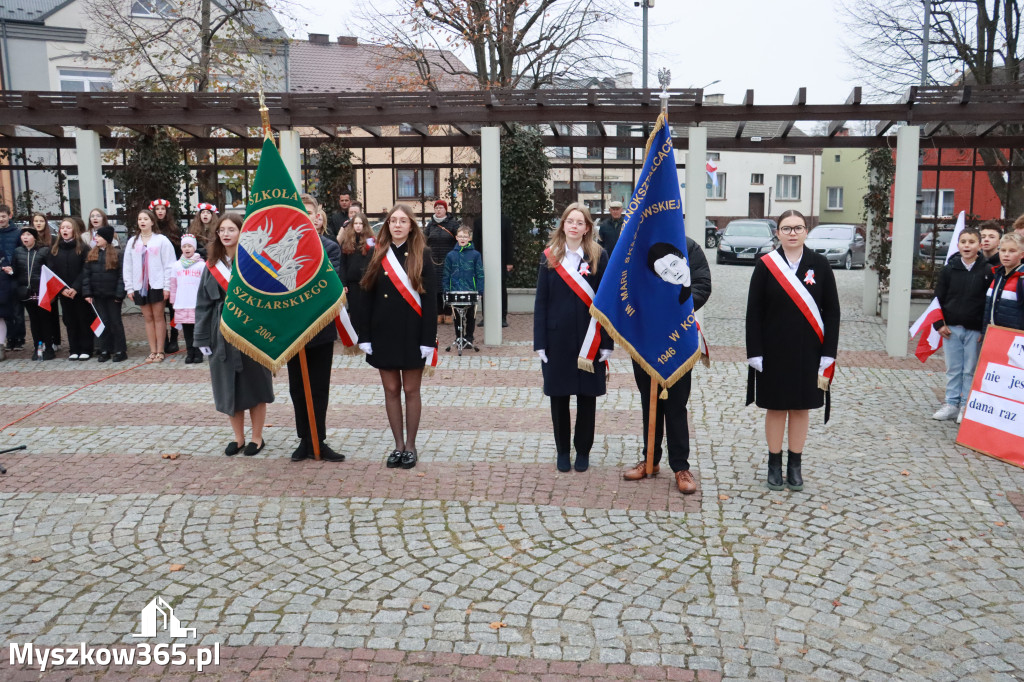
(90,172)
(291,154)
(908,143)
(869,301)
(696,186)
(490,194)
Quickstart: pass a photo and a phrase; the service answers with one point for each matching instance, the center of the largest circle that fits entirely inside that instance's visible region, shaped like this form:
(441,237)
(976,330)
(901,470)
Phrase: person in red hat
(202,225)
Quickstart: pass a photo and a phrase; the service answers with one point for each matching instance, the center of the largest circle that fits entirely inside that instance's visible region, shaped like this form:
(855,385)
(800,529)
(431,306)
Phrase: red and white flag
(931,341)
(50,285)
(96,325)
(712,168)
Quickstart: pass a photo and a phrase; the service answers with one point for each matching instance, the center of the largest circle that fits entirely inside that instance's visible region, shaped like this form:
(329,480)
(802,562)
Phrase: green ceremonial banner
(283,289)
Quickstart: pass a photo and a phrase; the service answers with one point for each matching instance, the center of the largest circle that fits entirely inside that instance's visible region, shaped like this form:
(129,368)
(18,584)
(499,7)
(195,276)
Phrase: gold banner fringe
(823,383)
(428,371)
(585,365)
(274,364)
(352,350)
(665,382)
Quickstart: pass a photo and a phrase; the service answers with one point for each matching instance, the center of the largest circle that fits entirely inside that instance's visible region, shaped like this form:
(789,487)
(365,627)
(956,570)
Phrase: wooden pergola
(941,117)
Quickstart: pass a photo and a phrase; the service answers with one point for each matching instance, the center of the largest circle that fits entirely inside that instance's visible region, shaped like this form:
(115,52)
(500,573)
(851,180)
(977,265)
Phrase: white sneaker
(73,357)
(946,412)
(960,416)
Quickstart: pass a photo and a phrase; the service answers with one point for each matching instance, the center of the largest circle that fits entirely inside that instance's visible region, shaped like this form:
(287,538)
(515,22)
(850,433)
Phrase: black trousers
(16,324)
(504,293)
(40,321)
(586,409)
(318,361)
(112,341)
(54,322)
(188,329)
(670,417)
(77,316)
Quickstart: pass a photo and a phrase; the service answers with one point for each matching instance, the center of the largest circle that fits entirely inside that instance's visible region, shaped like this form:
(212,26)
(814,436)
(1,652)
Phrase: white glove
(206,351)
(426,352)
(366,348)
(604,355)
(757,363)
(825,362)
(542,355)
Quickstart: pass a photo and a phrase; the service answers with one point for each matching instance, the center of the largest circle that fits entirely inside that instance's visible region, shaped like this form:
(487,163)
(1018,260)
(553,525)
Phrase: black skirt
(152,298)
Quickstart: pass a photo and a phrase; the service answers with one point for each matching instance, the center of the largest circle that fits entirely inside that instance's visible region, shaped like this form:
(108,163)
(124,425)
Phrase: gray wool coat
(239,382)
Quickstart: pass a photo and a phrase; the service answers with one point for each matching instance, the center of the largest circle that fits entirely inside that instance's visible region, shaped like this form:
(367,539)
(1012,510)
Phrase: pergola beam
(799,101)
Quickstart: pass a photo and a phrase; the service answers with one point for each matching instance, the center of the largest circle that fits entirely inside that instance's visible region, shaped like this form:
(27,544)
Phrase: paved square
(901,559)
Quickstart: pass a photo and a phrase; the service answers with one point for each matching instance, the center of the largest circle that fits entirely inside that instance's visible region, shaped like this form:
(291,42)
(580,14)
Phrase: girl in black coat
(67,260)
(28,266)
(560,323)
(357,241)
(788,360)
(396,338)
(103,287)
(439,230)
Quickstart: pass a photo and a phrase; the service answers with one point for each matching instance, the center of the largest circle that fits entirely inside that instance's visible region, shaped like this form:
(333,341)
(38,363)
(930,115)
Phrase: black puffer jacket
(961,293)
(99,282)
(67,263)
(27,267)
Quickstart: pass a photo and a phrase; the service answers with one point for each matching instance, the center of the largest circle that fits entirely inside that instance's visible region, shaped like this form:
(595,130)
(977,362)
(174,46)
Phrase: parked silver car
(841,244)
(745,240)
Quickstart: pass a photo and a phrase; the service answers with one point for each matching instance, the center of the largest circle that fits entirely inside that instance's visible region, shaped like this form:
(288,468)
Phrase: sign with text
(994,419)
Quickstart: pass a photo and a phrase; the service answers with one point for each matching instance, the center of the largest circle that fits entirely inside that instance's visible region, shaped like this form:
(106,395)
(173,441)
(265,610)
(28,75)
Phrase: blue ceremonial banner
(644,299)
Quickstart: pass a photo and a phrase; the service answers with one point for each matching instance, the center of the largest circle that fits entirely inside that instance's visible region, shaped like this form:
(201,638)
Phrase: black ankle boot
(775,470)
(794,479)
(171,341)
(563,462)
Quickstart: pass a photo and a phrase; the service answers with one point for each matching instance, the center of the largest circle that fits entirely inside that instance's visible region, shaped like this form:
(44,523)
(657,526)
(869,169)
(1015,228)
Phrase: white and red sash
(400,278)
(221,272)
(346,332)
(583,290)
(805,303)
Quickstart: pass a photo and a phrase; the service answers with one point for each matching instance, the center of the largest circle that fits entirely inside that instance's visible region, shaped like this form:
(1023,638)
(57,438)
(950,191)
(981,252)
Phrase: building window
(414,183)
(624,153)
(594,130)
(714,156)
(788,158)
(562,129)
(787,187)
(835,199)
(85,80)
(837,158)
(716,192)
(757,178)
(152,8)
(945,203)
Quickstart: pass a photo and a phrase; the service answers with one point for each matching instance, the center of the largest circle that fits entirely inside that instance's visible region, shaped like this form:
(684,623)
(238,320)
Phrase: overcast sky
(772,46)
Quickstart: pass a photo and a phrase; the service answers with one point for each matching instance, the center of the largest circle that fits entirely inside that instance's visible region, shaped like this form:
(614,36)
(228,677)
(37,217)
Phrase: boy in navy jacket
(464,271)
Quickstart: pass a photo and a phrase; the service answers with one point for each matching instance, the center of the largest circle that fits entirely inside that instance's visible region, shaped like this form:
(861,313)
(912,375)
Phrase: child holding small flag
(29,258)
(103,288)
(566,337)
(67,260)
(1004,301)
(397,324)
(961,294)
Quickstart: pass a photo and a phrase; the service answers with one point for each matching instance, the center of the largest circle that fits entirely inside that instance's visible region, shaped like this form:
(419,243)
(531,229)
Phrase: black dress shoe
(104,357)
(301,452)
(233,448)
(327,454)
(395,459)
(119,357)
(188,359)
(562,462)
(408,459)
(582,462)
(504,323)
(251,448)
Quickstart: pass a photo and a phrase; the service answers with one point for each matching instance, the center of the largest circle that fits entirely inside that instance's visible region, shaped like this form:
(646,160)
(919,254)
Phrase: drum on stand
(461,302)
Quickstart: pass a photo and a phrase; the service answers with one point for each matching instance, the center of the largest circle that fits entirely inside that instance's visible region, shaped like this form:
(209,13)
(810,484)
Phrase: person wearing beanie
(103,287)
(440,231)
(186,274)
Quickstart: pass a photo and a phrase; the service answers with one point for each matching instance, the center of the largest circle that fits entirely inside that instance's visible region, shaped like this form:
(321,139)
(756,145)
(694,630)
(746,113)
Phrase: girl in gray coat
(239,382)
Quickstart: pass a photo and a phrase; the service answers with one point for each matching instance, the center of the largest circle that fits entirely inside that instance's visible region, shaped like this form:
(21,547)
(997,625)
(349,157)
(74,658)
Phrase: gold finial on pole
(264,112)
(664,78)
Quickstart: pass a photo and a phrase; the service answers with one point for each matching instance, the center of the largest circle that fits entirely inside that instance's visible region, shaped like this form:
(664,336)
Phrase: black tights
(396,382)
(586,408)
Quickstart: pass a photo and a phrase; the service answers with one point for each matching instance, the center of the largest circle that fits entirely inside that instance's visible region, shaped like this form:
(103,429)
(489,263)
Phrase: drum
(461,297)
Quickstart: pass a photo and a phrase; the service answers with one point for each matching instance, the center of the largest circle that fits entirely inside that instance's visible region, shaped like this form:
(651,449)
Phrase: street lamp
(645,4)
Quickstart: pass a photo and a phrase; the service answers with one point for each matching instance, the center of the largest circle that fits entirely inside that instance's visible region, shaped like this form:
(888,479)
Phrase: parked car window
(748,230)
(832,232)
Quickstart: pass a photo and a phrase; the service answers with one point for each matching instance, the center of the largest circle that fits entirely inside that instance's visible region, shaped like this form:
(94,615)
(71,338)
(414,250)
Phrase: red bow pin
(809,277)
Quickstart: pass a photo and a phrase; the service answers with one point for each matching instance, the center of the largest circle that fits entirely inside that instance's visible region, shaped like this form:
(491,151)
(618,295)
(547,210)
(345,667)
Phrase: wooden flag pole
(652,422)
(313,434)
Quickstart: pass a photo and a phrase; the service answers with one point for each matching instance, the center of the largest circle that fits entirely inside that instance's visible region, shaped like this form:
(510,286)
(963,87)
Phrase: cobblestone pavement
(901,559)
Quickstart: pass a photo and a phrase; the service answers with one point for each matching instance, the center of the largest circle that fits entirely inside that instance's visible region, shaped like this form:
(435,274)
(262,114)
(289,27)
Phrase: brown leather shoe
(685,482)
(639,472)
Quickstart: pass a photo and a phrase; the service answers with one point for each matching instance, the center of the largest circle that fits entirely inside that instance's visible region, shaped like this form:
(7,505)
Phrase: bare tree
(180,45)
(509,43)
(971,42)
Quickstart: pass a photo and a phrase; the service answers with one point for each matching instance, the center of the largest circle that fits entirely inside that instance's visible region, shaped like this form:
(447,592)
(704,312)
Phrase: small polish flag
(712,168)
(931,341)
(49,286)
(97,325)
